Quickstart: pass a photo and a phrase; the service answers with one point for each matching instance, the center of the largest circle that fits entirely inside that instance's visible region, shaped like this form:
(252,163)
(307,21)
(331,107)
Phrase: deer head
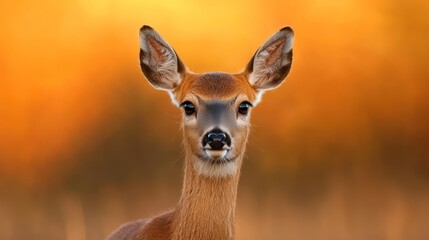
(216,106)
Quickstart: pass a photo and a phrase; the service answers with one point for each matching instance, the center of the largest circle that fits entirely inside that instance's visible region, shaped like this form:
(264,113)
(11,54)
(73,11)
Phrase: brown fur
(215,85)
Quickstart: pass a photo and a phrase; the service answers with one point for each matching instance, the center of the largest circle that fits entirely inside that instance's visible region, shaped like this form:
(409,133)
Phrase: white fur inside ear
(168,70)
(288,44)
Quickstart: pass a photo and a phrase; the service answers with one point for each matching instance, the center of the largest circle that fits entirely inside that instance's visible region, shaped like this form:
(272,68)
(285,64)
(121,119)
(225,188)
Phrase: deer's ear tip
(146,28)
(289,35)
(287,31)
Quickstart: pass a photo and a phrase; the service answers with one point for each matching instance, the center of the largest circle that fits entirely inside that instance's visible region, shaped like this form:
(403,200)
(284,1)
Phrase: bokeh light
(340,151)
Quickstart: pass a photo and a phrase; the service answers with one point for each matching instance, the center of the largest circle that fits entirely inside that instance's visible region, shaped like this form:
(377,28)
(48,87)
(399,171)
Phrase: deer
(216,110)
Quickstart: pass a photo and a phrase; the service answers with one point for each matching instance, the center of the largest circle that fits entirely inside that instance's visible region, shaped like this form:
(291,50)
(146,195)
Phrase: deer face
(216,112)
(216,106)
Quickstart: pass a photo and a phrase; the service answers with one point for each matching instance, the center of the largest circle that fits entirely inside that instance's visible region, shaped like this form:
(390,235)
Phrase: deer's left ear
(272,62)
(158,61)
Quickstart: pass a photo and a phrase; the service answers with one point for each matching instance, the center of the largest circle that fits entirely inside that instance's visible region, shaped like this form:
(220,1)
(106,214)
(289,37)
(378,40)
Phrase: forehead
(215,86)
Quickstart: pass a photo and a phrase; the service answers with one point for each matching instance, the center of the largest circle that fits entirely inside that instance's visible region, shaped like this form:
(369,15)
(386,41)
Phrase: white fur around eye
(190,120)
(243,120)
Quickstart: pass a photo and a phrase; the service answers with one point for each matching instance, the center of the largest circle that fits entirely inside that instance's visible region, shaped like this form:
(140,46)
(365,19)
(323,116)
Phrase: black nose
(216,139)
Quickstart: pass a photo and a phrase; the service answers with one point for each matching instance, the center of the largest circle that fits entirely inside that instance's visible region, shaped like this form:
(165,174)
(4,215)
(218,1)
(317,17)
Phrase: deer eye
(188,107)
(243,108)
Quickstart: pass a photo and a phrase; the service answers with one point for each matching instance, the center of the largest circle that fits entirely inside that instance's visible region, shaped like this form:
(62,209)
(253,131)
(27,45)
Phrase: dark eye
(188,107)
(243,108)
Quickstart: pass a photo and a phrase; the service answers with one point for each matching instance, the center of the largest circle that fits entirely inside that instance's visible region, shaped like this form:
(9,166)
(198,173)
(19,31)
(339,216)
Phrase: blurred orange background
(340,151)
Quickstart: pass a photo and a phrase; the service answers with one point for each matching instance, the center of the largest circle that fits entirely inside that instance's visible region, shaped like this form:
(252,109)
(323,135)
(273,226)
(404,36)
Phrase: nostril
(216,145)
(220,137)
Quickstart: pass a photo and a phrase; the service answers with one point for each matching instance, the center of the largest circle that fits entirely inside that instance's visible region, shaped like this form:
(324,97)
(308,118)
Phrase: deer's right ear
(271,63)
(158,61)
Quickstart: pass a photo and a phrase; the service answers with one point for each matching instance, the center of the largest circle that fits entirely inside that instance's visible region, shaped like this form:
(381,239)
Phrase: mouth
(216,156)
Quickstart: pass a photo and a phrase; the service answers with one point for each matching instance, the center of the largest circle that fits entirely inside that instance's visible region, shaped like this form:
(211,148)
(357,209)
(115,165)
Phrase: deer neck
(206,208)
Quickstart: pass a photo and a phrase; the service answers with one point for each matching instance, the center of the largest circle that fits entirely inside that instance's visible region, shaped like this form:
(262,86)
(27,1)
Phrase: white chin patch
(216,153)
(215,165)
